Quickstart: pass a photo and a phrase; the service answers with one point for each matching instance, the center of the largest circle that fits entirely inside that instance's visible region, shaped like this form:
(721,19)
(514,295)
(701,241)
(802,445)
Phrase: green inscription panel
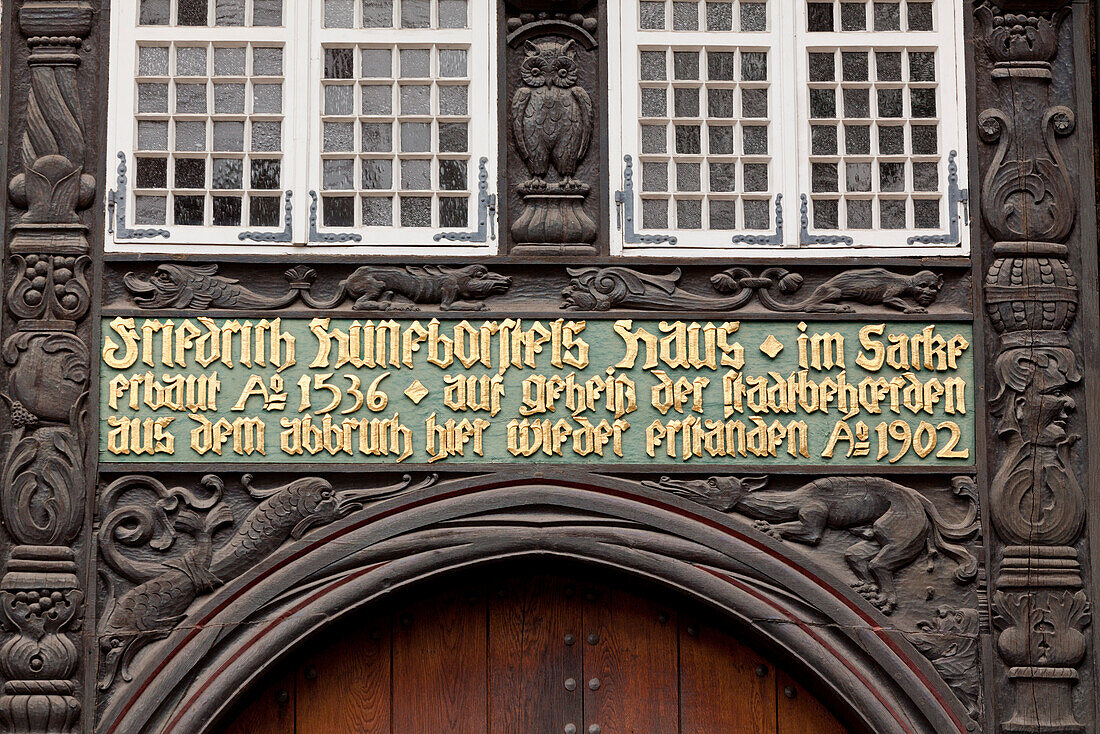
(417,391)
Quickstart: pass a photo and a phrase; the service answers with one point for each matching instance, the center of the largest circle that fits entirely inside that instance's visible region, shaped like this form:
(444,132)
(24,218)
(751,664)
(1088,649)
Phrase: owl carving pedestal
(552,123)
(553,219)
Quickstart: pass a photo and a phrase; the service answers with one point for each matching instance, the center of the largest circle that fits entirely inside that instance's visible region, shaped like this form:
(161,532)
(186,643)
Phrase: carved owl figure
(551,115)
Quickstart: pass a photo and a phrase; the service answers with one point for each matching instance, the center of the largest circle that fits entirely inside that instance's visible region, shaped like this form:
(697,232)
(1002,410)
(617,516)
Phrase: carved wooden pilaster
(1029,209)
(45,460)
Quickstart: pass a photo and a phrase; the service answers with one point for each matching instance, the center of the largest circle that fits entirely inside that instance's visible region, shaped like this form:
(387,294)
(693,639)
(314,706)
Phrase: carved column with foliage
(1029,208)
(46,469)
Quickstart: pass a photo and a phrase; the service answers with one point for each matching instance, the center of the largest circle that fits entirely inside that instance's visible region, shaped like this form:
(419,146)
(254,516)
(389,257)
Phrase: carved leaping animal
(896,524)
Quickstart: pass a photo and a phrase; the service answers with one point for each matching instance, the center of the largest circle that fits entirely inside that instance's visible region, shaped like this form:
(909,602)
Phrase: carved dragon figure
(374,288)
(198,287)
(152,609)
(896,524)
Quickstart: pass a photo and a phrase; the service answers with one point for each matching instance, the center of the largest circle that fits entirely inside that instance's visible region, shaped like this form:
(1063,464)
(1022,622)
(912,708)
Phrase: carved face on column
(1034,401)
(49,372)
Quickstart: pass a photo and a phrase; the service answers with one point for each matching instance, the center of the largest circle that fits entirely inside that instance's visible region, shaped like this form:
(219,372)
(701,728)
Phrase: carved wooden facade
(145,599)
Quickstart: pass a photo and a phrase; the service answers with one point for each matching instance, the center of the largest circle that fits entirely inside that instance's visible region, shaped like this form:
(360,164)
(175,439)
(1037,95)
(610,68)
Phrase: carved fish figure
(198,287)
(896,523)
(151,610)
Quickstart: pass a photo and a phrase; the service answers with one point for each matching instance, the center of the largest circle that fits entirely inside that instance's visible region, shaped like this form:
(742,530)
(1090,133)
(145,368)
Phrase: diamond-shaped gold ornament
(416,392)
(771,346)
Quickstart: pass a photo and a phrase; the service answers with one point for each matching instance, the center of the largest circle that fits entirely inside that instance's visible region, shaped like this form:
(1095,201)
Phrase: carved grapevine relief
(141,512)
(951,643)
(896,524)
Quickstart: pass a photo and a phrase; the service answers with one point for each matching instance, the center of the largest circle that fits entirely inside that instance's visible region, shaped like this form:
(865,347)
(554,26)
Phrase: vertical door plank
(439,665)
(271,711)
(529,660)
(720,690)
(635,662)
(345,689)
(803,714)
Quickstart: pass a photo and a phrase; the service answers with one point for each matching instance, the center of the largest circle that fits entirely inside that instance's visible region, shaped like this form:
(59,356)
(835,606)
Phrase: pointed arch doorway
(531,649)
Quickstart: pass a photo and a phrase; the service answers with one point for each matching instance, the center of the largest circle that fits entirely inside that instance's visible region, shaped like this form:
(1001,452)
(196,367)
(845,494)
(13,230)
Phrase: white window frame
(302,37)
(788,75)
(126,36)
(479,38)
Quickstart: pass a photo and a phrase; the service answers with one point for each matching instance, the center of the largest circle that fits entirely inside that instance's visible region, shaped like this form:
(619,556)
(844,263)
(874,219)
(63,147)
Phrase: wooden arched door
(512,653)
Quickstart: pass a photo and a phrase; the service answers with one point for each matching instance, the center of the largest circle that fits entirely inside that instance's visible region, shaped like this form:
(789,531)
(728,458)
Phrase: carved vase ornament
(1037,506)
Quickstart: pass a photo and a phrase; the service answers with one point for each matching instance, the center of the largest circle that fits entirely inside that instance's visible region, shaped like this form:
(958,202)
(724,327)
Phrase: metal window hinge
(804,236)
(315,236)
(624,208)
(486,212)
(286,235)
(956,198)
(770,239)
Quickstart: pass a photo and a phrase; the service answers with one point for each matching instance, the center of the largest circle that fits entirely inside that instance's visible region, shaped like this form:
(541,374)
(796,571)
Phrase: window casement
(286,122)
(735,126)
(756,124)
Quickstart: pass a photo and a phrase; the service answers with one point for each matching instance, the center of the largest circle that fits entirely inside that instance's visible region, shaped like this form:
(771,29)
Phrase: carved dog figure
(871,287)
(897,524)
(374,288)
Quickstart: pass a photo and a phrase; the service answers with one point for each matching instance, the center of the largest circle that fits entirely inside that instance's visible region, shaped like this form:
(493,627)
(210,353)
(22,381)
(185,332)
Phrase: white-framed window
(816,125)
(267,124)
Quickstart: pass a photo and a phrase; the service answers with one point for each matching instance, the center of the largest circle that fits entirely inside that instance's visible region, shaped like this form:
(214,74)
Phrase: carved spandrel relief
(895,525)
(142,515)
(951,642)
(553,63)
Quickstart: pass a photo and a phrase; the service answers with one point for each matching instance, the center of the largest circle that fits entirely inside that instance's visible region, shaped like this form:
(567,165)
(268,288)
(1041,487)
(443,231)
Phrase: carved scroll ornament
(604,288)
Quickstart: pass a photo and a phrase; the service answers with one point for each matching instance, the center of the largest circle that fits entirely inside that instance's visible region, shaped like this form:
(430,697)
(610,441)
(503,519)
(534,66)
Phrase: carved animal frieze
(140,512)
(869,287)
(951,644)
(451,288)
(602,289)
(198,287)
(896,524)
(371,288)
